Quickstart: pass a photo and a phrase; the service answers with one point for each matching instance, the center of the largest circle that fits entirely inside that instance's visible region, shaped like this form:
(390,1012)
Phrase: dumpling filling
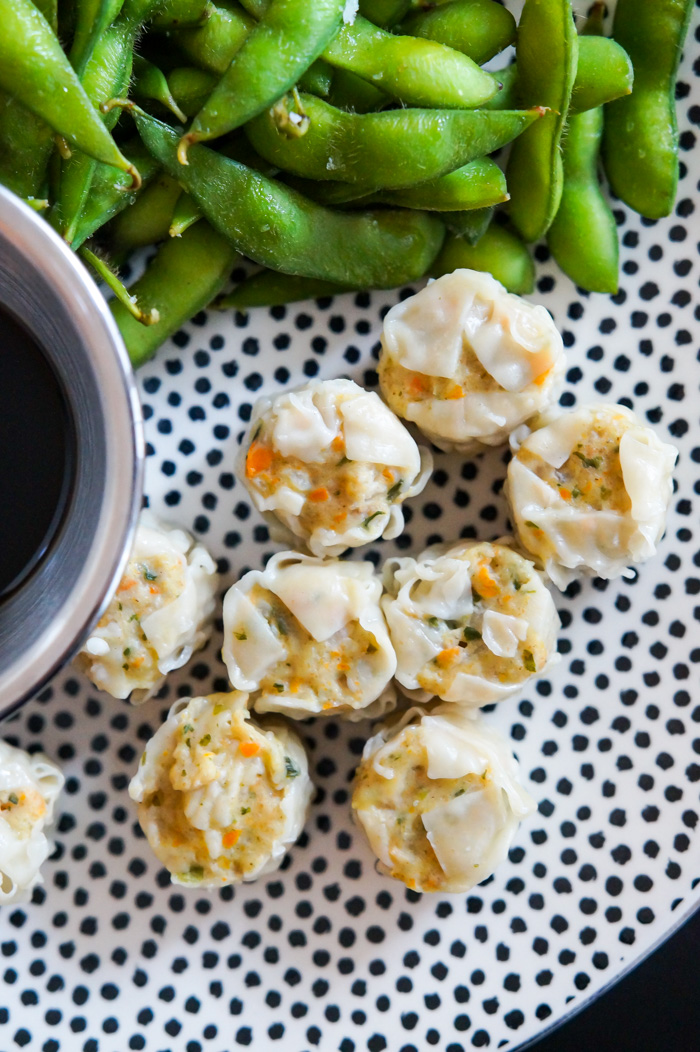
(589,491)
(221,798)
(467,361)
(308,636)
(161,613)
(438,798)
(333,464)
(470,623)
(29,789)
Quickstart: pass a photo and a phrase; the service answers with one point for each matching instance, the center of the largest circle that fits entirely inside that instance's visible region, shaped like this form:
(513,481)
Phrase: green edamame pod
(640,144)
(191,88)
(476,185)
(256,8)
(108,195)
(181,14)
(26,143)
(384,13)
(213,46)
(547,53)
(183,278)
(317,79)
(604,72)
(106,74)
(416,71)
(477,28)
(150,83)
(470,225)
(185,214)
(34,68)
(583,237)
(290,36)
(278,228)
(270,289)
(92,18)
(350,92)
(405,146)
(499,252)
(149,218)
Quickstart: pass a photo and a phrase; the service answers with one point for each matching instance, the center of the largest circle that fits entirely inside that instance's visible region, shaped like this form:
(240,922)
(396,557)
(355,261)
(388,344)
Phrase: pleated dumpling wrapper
(589,491)
(471,622)
(220,796)
(438,797)
(332,464)
(29,788)
(468,361)
(309,637)
(162,612)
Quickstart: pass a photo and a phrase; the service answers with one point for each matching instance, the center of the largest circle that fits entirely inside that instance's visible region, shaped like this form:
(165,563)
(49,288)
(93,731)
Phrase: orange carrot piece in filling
(485,584)
(230,838)
(319,495)
(565,493)
(448,657)
(259,459)
(249,749)
(338,444)
(455,392)
(417,385)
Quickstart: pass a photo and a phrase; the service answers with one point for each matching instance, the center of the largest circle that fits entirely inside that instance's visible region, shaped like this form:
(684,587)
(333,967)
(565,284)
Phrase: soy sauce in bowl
(36,454)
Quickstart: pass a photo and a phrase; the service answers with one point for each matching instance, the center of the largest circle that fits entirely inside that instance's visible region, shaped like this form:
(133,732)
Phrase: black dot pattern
(326,953)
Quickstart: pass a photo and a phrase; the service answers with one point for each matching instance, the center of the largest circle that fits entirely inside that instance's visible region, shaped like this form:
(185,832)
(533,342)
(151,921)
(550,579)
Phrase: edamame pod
(477,28)
(474,186)
(583,237)
(150,83)
(499,252)
(547,53)
(183,278)
(317,79)
(416,71)
(190,88)
(93,17)
(149,218)
(289,37)
(185,214)
(26,143)
(384,13)
(213,46)
(278,228)
(350,92)
(604,72)
(181,14)
(35,70)
(108,194)
(405,146)
(640,144)
(270,289)
(470,225)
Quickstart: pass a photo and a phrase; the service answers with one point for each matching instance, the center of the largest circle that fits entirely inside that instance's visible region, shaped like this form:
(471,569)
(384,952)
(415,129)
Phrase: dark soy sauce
(36,454)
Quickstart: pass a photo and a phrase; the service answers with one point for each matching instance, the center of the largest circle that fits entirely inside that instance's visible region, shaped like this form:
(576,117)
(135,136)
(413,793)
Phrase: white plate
(327,954)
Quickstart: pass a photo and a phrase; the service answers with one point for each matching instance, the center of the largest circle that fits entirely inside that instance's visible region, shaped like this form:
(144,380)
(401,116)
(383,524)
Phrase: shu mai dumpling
(333,464)
(467,361)
(161,613)
(470,623)
(437,795)
(221,797)
(309,637)
(29,788)
(589,491)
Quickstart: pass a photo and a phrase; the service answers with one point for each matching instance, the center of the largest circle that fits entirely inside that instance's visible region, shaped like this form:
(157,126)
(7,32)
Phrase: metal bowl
(43,622)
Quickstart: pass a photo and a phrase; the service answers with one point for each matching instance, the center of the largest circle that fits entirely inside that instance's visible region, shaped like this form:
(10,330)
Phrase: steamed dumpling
(221,798)
(29,788)
(467,361)
(308,635)
(589,491)
(438,797)
(333,464)
(162,612)
(470,623)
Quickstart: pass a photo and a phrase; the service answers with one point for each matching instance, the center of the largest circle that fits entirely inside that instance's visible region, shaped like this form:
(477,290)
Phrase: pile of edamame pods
(337,148)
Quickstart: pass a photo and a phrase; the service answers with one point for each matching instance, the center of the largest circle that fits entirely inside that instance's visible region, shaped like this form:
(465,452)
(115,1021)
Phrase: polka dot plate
(326,954)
